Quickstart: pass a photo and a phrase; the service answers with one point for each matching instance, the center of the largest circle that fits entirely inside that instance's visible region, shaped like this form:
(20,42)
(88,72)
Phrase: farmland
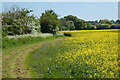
(59,40)
(86,54)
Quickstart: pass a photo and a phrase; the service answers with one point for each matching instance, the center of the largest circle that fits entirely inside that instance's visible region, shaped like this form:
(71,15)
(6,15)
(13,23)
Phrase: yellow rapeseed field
(91,54)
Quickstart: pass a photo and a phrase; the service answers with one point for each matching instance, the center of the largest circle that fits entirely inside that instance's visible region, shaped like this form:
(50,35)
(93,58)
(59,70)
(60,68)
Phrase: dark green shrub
(115,26)
(67,34)
(103,26)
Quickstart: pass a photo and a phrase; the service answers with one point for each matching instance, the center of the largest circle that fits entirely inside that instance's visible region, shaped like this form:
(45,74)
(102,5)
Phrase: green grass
(12,53)
(11,43)
(41,59)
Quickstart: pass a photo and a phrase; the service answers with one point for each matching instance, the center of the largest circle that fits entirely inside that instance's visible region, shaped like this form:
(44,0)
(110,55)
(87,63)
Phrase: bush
(115,26)
(92,27)
(67,34)
(103,26)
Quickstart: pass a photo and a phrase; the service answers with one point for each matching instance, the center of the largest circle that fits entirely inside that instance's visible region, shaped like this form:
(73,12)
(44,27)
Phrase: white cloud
(60,0)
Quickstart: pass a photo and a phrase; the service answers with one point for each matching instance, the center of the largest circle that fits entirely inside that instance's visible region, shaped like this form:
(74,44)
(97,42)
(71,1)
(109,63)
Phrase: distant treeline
(18,21)
(71,22)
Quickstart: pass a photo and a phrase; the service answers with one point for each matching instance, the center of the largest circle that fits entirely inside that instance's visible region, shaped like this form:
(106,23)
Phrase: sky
(59,0)
(83,10)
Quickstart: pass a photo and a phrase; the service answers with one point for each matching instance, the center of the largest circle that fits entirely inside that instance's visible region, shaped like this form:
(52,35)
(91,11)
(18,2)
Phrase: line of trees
(103,24)
(71,22)
(79,24)
(18,22)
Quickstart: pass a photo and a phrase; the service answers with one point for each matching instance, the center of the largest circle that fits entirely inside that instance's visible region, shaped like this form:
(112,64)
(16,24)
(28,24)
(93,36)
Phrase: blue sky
(83,10)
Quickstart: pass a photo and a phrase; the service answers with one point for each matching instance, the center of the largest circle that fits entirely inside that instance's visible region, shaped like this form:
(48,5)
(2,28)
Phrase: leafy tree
(49,22)
(71,17)
(17,21)
(105,21)
(92,22)
(80,24)
(88,25)
(118,21)
(113,22)
(66,24)
(71,25)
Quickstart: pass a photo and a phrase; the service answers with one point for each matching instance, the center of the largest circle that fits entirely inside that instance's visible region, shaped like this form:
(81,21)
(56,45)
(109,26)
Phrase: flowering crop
(92,54)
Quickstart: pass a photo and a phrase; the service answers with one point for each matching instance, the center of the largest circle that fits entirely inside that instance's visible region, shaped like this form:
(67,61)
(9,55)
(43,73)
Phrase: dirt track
(13,60)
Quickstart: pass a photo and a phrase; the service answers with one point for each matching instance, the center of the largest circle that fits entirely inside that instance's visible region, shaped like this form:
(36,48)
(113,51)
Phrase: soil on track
(13,60)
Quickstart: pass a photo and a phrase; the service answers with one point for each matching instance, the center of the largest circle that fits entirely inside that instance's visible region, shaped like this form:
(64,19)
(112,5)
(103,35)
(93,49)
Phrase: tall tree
(49,22)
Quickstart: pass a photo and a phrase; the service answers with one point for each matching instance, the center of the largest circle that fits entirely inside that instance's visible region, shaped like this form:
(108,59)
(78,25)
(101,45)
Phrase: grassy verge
(13,57)
(12,43)
(41,59)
